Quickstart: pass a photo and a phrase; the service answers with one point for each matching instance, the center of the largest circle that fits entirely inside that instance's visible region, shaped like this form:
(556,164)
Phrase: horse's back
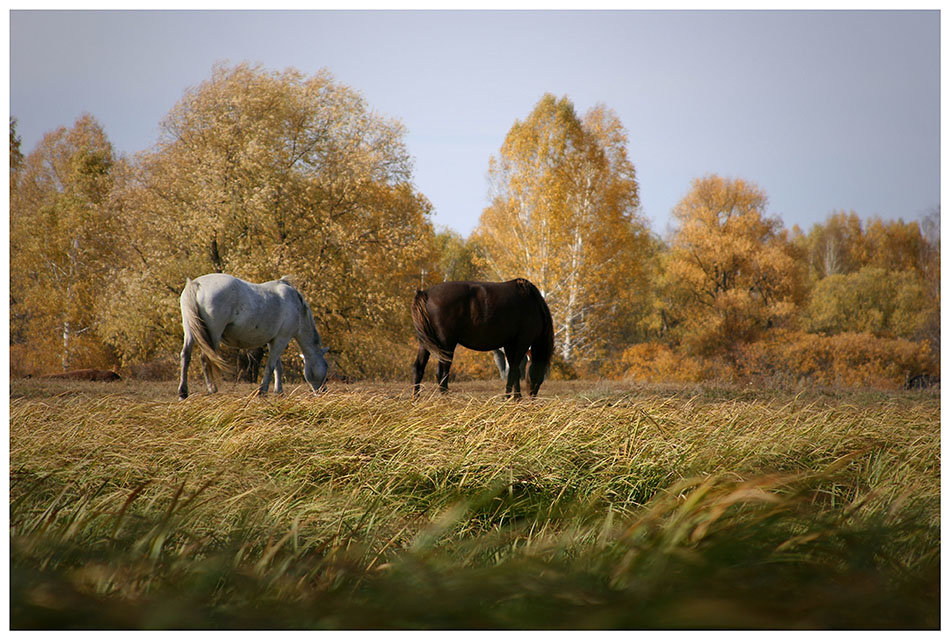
(463,291)
(222,288)
(246,313)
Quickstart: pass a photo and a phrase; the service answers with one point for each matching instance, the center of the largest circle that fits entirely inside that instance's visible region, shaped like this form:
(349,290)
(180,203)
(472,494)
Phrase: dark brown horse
(484,316)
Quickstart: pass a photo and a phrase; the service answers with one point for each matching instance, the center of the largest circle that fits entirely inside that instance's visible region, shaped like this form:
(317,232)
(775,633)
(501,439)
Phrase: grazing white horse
(502,363)
(218,308)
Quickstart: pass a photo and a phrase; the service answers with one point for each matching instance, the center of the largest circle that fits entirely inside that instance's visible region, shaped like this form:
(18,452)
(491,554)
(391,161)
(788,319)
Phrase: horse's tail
(425,332)
(542,349)
(194,325)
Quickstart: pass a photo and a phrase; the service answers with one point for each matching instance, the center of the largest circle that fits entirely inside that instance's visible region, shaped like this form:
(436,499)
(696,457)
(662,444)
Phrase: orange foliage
(41,356)
(731,271)
(652,362)
(846,359)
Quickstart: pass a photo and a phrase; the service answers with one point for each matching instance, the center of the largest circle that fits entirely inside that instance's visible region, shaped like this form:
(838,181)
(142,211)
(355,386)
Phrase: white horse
(502,363)
(218,308)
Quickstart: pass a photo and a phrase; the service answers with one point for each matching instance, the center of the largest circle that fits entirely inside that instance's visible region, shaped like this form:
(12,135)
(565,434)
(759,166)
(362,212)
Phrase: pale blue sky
(824,110)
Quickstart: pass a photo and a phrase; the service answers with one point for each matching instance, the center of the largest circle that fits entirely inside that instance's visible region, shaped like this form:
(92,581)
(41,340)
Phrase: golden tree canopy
(565,215)
(731,270)
(263,174)
(63,243)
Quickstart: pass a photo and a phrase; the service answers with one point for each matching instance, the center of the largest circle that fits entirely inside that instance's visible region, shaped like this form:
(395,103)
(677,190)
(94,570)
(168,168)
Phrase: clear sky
(824,110)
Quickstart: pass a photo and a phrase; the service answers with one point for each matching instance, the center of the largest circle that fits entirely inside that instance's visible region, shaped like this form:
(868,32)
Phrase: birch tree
(62,242)
(877,266)
(836,247)
(564,214)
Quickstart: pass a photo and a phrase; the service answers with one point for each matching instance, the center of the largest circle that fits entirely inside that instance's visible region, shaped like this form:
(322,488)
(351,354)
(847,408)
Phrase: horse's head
(315,368)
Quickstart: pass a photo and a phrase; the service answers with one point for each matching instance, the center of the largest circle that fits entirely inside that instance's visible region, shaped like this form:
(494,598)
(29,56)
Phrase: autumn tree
(17,324)
(896,245)
(16,154)
(885,303)
(455,258)
(263,174)
(836,247)
(731,271)
(564,214)
(884,278)
(844,244)
(930,274)
(63,237)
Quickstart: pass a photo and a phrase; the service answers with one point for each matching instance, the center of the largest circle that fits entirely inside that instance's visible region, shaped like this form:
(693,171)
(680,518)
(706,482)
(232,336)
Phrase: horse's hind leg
(500,362)
(209,376)
(185,361)
(418,368)
(444,366)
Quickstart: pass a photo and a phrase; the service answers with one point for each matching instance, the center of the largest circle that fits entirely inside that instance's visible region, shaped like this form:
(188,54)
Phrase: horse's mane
(307,312)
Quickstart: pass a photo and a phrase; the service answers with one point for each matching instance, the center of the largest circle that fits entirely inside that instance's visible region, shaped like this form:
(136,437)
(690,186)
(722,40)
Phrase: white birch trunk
(68,303)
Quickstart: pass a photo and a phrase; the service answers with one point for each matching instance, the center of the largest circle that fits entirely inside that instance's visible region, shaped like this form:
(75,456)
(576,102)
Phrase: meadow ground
(597,505)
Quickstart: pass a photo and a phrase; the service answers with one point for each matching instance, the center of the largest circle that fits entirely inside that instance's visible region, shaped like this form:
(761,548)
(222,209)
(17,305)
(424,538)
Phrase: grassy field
(597,505)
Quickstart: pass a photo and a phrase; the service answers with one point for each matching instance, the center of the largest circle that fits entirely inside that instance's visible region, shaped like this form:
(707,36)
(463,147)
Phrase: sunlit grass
(593,506)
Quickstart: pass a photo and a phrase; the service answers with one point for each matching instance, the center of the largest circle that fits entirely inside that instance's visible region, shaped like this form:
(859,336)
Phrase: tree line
(263,174)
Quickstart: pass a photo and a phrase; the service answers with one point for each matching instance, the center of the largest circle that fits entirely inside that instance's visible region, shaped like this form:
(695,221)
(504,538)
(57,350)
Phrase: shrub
(845,359)
(885,303)
(652,362)
(855,359)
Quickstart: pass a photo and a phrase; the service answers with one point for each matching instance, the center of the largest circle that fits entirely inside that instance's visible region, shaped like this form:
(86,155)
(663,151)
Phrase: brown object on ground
(98,375)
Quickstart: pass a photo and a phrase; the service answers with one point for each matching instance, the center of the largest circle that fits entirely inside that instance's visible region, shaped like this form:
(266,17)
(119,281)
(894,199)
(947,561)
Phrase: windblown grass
(594,506)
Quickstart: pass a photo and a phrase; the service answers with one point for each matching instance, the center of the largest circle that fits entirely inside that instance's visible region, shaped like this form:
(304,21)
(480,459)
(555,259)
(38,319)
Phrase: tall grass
(592,507)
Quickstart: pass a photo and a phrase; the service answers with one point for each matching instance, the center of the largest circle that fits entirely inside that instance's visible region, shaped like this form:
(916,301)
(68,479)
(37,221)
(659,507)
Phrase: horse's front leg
(275,349)
(513,384)
(278,377)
